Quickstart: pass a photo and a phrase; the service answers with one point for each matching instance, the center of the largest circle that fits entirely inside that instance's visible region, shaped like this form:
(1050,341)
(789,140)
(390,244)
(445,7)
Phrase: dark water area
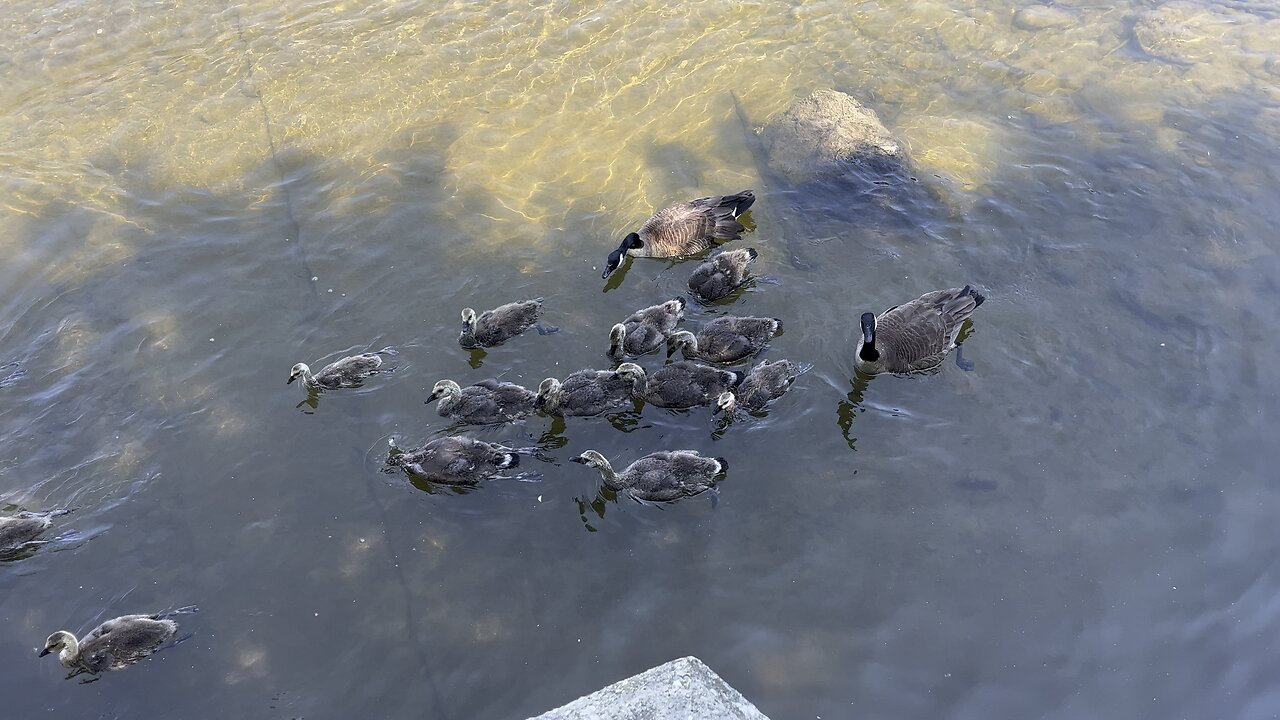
(195,201)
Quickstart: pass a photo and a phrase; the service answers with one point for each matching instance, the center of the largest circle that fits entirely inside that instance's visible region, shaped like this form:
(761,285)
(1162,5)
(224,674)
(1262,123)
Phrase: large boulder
(825,135)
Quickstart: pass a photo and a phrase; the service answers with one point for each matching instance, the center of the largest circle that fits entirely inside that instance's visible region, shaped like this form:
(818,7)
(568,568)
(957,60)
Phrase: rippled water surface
(194,196)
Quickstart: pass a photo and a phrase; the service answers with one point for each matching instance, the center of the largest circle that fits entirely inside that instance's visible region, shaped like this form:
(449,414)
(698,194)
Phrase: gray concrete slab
(683,689)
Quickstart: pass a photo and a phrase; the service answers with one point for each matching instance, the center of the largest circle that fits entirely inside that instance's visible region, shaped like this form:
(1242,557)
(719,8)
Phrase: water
(194,199)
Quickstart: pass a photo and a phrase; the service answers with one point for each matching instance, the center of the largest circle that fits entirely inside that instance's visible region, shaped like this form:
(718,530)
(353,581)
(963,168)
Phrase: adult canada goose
(348,372)
(916,335)
(721,274)
(20,531)
(645,330)
(660,477)
(488,402)
(496,326)
(766,382)
(115,644)
(685,229)
(725,339)
(586,392)
(682,384)
(455,460)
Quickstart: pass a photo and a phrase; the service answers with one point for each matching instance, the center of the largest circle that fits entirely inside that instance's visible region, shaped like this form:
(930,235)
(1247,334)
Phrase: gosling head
(62,642)
(869,352)
(298,371)
(548,389)
(443,388)
(675,306)
(726,403)
(591,458)
(683,340)
(617,336)
(630,371)
(631,242)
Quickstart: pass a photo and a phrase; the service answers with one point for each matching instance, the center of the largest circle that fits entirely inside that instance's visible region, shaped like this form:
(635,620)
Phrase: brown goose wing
(916,335)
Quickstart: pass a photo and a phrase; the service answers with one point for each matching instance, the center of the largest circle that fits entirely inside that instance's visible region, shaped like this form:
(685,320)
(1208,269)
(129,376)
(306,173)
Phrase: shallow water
(193,200)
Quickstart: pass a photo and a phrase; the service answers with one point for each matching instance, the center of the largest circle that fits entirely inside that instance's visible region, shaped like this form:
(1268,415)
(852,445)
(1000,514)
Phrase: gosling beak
(539,401)
(291,379)
(44,652)
(432,398)
(579,459)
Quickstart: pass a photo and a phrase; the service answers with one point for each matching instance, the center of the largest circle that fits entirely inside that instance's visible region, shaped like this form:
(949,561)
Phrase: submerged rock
(1043,17)
(1184,32)
(824,134)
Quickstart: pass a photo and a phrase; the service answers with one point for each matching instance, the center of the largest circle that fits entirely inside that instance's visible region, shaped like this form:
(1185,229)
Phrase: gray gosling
(685,229)
(679,385)
(661,476)
(583,393)
(21,530)
(349,372)
(645,330)
(496,326)
(488,402)
(455,460)
(115,644)
(726,339)
(917,335)
(766,382)
(721,274)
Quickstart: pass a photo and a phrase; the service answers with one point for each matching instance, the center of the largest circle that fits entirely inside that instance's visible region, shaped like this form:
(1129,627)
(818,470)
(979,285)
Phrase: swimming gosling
(766,382)
(115,644)
(721,274)
(496,326)
(679,385)
(455,460)
(917,335)
(349,372)
(20,531)
(726,339)
(584,393)
(685,229)
(645,330)
(488,402)
(659,477)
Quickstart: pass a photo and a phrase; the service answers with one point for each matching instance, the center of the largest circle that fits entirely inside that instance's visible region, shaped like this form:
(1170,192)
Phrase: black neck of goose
(869,352)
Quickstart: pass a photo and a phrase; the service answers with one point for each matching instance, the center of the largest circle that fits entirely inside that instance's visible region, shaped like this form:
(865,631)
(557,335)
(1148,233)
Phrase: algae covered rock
(1184,32)
(1042,17)
(826,134)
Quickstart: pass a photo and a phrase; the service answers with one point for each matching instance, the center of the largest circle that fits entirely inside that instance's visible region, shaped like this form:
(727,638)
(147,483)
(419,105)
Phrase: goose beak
(431,398)
(615,260)
(44,652)
(579,459)
(539,401)
(291,379)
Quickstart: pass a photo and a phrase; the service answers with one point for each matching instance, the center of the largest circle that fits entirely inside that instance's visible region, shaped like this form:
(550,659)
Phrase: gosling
(766,382)
(115,644)
(488,402)
(679,385)
(455,460)
(496,326)
(660,477)
(918,335)
(720,275)
(645,330)
(583,393)
(726,339)
(18,532)
(349,372)
(685,229)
